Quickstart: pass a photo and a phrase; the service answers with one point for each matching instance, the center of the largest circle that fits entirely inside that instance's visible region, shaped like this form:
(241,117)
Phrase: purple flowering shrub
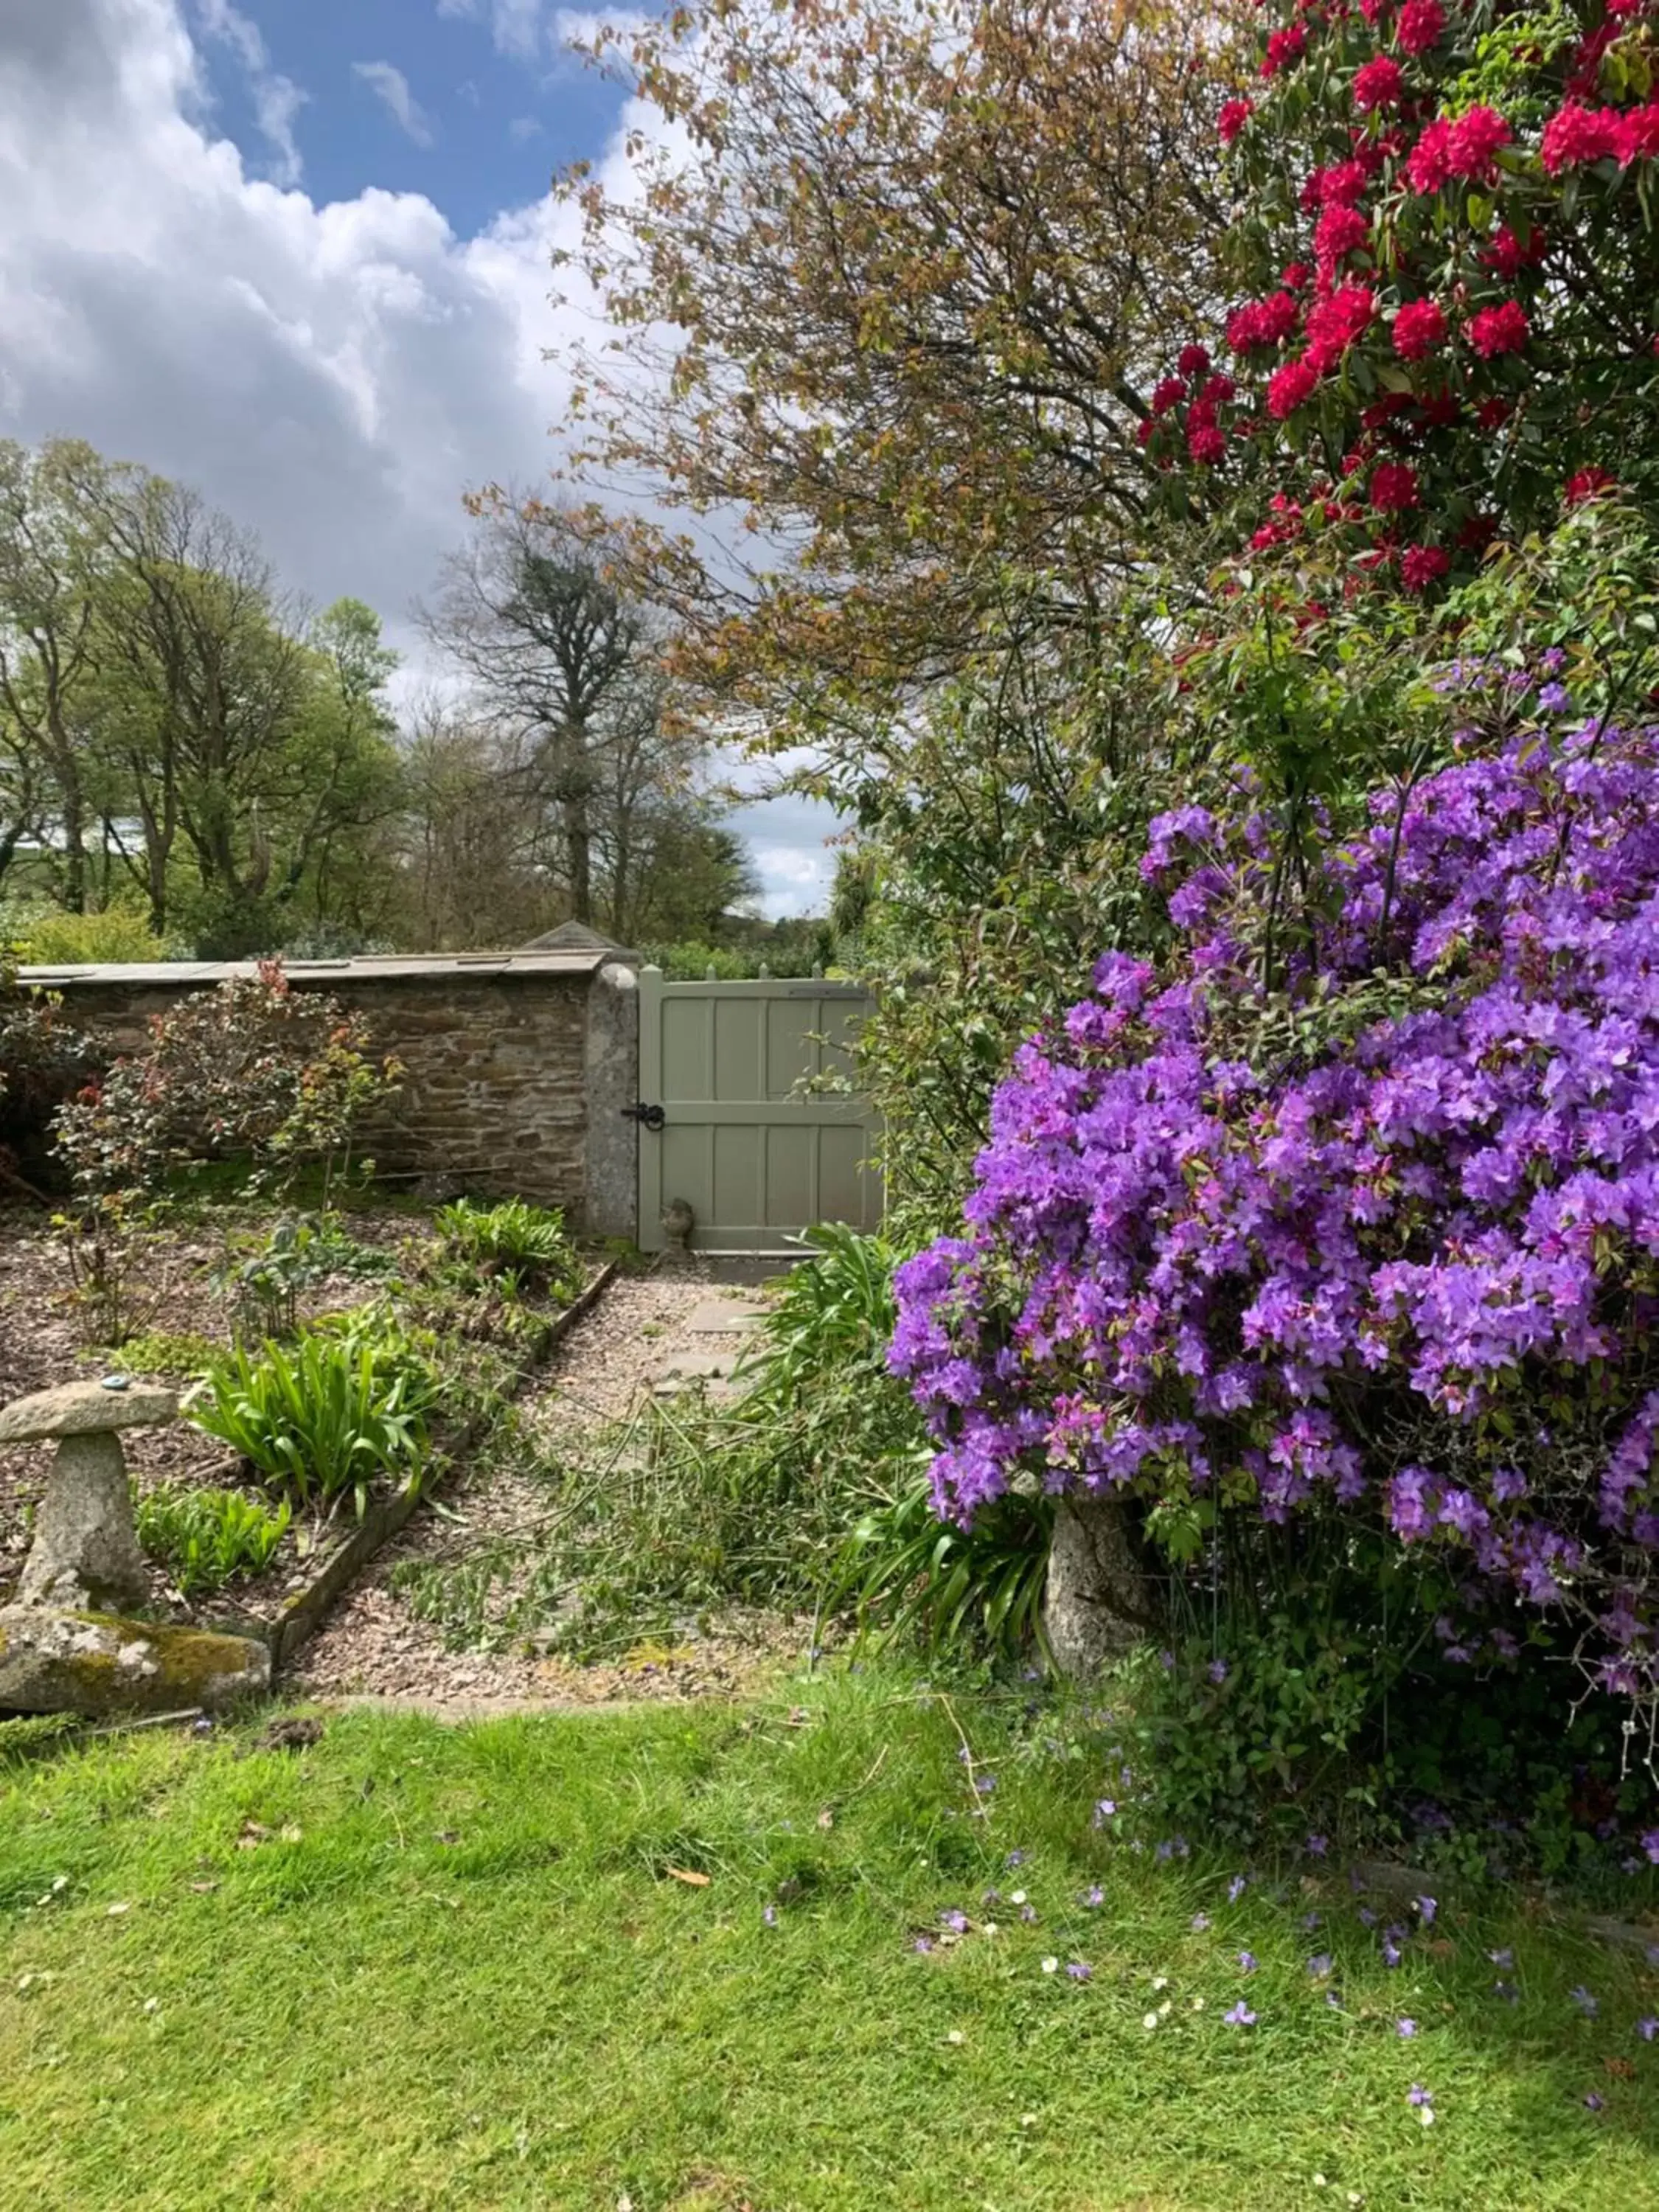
(1384,1245)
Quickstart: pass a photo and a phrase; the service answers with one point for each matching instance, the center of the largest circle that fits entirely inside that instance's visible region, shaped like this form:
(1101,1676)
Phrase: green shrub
(207,1538)
(323,1419)
(514,1237)
(48,937)
(162,1352)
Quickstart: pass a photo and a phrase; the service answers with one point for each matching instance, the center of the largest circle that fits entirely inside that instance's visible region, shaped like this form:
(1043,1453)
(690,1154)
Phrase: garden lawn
(417,1965)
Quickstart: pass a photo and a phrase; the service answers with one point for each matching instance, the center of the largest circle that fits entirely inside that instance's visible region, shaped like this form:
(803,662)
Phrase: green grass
(452,1967)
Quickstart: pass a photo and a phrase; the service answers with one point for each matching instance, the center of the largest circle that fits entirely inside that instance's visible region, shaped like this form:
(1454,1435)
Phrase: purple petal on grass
(1592,2103)
(1648,2028)
(1427,1909)
(1405,2028)
(1079,1970)
(1237,1887)
(1503,1958)
(1247,1962)
(1319,1964)
(1585,2002)
(770,1916)
(956,1922)
(1200,1921)
(1095,1895)
(1417,2094)
(1240,2016)
(1317,1846)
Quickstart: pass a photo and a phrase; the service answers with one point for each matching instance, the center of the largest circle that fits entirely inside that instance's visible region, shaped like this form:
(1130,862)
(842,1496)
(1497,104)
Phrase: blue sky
(296,253)
(473,105)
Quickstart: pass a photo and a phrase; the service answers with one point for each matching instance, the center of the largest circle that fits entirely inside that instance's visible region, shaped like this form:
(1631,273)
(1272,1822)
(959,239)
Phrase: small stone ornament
(64,1645)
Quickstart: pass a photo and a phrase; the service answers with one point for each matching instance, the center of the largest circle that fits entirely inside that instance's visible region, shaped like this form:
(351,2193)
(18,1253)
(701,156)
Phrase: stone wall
(517,1066)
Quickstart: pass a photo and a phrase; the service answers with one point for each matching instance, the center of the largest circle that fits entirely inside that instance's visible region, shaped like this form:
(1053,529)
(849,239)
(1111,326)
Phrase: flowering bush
(252,1070)
(1444,237)
(1384,1244)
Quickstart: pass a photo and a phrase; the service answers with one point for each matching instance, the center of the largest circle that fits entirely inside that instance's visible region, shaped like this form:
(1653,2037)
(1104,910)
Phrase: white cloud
(514,25)
(277,99)
(334,376)
(391,87)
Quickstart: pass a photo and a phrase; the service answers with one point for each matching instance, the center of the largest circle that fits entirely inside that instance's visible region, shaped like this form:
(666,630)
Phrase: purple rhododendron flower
(1324,1274)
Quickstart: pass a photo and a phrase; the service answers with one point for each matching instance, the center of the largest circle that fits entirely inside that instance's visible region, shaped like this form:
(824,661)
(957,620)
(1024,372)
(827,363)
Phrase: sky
(296,254)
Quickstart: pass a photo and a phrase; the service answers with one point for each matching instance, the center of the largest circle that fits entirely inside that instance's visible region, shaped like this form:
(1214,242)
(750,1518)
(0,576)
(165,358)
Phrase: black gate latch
(648,1117)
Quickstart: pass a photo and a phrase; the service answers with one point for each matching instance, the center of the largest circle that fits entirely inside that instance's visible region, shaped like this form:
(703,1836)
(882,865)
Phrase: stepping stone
(696,1366)
(724,1317)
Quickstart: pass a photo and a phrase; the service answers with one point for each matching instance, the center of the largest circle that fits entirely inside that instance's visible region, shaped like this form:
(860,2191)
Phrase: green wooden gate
(757,1154)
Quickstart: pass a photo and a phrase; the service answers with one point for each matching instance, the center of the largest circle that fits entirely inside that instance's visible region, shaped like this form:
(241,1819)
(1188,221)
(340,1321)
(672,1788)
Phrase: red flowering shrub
(1448,271)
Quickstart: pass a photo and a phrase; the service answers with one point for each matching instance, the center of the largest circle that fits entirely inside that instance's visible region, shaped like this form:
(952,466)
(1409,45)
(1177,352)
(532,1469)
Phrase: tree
(894,284)
(53,551)
(158,692)
(553,648)
(1444,237)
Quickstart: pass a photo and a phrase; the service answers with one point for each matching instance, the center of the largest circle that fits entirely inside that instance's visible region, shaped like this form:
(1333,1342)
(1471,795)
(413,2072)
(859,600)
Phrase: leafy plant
(514,1237)
(207,1538)
(911,1578)
(164,1351)
(322,1420)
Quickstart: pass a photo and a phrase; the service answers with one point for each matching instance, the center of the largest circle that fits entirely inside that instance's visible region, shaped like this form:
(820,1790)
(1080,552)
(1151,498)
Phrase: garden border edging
(302,1614)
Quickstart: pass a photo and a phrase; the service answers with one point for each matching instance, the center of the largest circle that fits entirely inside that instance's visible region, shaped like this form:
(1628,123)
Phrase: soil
(42,1343)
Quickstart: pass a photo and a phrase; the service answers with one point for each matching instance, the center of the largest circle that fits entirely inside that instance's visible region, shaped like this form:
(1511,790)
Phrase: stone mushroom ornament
(64,1645)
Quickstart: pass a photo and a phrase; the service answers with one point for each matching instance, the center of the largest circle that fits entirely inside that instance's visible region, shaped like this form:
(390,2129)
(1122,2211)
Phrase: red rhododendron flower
(1294,276)
(1206,444)
(1146,431)
(1340,231)
(1343,185)
(1418,328)
(1438,411)
(1261,322)
(1290,387)
(1216,389)
(1498,330)
(1193,360)
(1589,483)
(1430,166)
(1576,136)
(1508,256)
(1166,394)
(1422,25)
(1384,409)
(1638,133)
(1394,487)
(1422,565)
(1285,47)
(1475,138)
(1492,414)
(1232,119)
(1377,83)
(1334,324)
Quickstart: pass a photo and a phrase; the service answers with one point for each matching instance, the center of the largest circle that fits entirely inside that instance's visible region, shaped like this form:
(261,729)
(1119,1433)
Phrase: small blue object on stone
(115,1382)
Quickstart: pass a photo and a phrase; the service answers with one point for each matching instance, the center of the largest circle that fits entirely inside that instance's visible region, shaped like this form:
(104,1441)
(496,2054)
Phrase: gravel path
(372,1645)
